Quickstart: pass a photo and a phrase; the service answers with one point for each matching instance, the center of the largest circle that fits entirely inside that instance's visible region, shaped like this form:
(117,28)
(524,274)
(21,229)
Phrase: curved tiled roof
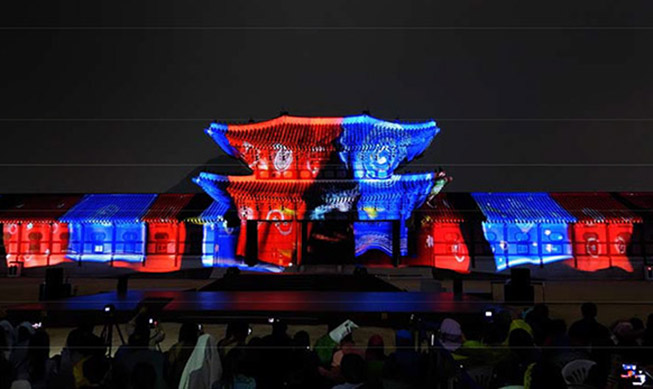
(110,208)
(533,207)
(596,207)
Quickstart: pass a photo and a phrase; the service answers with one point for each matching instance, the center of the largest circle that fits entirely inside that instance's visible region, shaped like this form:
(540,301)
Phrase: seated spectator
(473,351)
(511,369)
(7,338)
(178,355)
(587,330)
(39,368)
(303,363)
(144,314)
(136,351)
(375,359)
(624,338)
(143,376)
(557,346)
(544,375)
(235,335)
(450,335)
(638,330)
(204,367)
(82,361)
(18,357)
(538,319)
(254,357)
(347,346)
(275,353)
(353,372)
(6,369)
(325,346)
(236,373)
(647,337)
(405,364)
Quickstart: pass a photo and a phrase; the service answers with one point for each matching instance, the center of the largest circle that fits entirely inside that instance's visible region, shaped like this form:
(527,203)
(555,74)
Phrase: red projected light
(287,147)
(440,240)
(603,232)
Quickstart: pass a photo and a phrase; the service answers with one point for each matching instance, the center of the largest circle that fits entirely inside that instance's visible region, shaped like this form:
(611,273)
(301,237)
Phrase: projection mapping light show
(325,190)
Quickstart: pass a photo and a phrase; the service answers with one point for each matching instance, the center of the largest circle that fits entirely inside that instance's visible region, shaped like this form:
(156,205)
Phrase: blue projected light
(525,228)
(218,242)
(391,199)
(215,186)
(373,236)
(394,198)
(108,228)
(218,132)
(374,148)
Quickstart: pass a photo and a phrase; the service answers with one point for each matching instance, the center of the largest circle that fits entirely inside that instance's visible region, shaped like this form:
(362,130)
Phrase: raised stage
(388,308)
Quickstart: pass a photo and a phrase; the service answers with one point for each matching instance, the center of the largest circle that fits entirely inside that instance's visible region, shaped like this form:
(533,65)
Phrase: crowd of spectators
(530,349)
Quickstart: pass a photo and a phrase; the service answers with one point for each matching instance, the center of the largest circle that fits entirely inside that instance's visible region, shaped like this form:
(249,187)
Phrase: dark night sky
(103,97)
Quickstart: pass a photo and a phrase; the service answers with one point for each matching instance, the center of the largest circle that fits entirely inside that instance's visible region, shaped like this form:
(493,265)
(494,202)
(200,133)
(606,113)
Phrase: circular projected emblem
(621,245)
(246,213)
(282,158)
(284,228)
(385,153)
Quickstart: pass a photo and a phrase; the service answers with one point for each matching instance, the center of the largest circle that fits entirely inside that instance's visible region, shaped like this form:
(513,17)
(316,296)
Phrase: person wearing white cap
(450,335)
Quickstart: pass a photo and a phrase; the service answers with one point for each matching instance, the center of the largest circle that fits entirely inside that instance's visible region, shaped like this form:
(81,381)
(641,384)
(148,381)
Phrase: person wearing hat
(450,335)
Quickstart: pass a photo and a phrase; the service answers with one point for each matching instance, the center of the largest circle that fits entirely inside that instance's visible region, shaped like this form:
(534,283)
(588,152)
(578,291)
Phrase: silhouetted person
(236,374)
(511,369)
(303,363)
(6,369)
(275,354)
(235,335)
(538,319)
(405,364)
(353,372)
(587,330)
(375,359)
(40,368)
(544,375)
(143,376)
(179,353)
(18,356)
(136,351)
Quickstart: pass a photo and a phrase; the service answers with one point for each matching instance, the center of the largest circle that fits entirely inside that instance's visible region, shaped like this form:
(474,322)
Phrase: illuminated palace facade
(326,191)
(318,184)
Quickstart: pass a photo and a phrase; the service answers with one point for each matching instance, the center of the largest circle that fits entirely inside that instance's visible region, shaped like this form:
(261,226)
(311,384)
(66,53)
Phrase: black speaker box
(518,289)
(251,245)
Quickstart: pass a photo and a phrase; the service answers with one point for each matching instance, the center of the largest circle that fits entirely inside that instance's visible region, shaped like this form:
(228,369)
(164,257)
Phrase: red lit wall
(441,245)
(38,244)
(164,249)
(599,246)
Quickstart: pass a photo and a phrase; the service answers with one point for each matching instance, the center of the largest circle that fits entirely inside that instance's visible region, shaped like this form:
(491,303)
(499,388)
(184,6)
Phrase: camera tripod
(107,333)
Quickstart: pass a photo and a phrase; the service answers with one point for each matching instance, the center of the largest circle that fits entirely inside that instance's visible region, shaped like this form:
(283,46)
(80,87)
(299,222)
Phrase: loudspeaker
(518,288)
(121,288)
(520,276)
(396,242)
(251,244)
(648,273)
(54,287)
(54,276)
(15,269)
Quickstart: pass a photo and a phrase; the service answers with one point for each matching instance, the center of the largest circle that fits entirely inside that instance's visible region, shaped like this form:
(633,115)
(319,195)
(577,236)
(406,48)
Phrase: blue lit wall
(106,242)
(374,148)
(108,227)
(527,244)
(525,228)
(219,245)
